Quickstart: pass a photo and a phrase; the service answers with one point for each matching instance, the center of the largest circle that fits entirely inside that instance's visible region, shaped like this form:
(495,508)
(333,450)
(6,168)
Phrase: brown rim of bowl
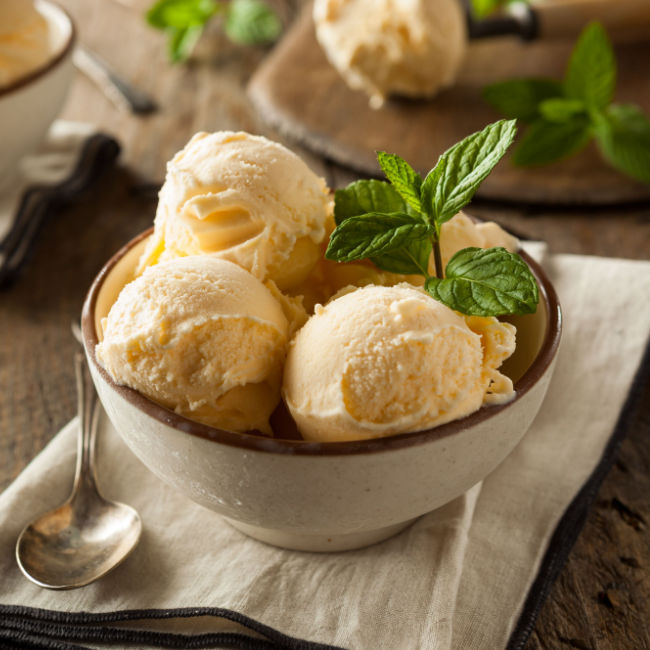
(42,70)
(255,442)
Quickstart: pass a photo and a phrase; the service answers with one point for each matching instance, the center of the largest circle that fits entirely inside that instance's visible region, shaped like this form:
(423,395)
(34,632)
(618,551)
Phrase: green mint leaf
(546,142)
(373,234)
(181,14)
(403,177)
(520,98)
(362,197)
(591,72)
(451,184)
(486,282)
(558,109)
(412,259)
(628,116)
(182,42)
(623,136)
(251,22)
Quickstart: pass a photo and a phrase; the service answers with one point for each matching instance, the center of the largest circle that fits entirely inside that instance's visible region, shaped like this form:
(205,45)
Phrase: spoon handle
(88,415)
(123,94)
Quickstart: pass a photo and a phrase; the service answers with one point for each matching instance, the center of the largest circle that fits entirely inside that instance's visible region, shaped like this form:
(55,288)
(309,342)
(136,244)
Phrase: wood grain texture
(297,91)
(602,599)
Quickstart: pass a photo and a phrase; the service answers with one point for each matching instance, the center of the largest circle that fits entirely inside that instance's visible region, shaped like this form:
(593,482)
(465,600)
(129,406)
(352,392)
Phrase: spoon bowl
(88,535)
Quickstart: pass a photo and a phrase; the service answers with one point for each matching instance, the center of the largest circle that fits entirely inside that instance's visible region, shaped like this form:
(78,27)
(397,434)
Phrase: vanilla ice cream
(245,199)
(462,232)
(384,47)
(385,360)
(201,336)
(24,40)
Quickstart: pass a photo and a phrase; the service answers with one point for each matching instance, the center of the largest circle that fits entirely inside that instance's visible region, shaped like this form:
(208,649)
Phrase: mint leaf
(591,73)
(251,22)
(623,136)
(362,197)
(368,196)
(545,142)
(558,109)
(451,184)
(519,98)
(628,116)
(412,259)
(181,14)
(182,42)
(486,282)
(403,177)
(373,234)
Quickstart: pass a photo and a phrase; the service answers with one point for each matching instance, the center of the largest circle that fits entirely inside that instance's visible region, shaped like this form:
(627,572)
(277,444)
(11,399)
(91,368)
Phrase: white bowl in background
(323,496)
(30,104)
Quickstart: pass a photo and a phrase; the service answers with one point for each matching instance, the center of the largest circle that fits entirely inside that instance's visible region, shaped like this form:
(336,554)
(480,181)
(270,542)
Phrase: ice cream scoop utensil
(624,20)
(88,535)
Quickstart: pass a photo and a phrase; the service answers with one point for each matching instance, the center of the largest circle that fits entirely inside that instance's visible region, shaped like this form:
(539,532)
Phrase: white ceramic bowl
(29,104)
(323,496)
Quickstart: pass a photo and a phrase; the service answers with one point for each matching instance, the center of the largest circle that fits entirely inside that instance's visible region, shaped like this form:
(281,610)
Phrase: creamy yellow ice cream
(384,47)
(233,269)
(462,232)
(24,40)
(385,360)
(201,336)
(245,199)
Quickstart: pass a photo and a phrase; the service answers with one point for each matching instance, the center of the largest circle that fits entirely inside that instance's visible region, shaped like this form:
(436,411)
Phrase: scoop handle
(624,20)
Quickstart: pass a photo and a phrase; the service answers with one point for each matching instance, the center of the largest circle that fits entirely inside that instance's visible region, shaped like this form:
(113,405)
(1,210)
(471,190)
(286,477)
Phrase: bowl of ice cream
(36,46)
(323,428)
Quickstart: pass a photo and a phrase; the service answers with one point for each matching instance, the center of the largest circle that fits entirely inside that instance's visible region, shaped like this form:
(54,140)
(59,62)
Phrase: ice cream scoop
(387,46)
(416,47)
(384,360)
(200,336)
(24,39)
(463,232)
(245,199)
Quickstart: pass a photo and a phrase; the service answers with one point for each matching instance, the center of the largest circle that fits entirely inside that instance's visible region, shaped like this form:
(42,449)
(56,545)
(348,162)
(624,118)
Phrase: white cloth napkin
(458,578)
(69,159)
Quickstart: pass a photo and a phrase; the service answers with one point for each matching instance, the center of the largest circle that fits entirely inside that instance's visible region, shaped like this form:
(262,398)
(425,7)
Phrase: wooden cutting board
(298,92)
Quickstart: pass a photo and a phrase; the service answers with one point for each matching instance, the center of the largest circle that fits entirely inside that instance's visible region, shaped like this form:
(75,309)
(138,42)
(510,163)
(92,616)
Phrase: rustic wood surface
(602,598)
(302,95)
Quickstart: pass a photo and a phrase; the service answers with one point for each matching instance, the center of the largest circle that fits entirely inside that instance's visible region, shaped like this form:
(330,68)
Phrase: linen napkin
(72,156)
(470,575)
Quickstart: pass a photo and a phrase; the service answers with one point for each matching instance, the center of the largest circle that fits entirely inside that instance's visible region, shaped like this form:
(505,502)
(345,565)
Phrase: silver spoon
(88,535)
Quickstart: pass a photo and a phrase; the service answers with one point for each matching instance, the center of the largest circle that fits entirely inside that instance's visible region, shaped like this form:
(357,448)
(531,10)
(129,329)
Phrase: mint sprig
(623,134)
(451,184)
(397,224)
(249,22)
(565,116)
(373,234)
(361,197)
(486,281)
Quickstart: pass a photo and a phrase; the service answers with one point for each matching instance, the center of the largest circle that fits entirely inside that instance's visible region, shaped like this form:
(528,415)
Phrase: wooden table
(602,597)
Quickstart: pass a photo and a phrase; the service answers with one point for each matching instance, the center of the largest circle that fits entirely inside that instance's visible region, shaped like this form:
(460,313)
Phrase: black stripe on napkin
(29,627)
(98,153)
(575,516)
